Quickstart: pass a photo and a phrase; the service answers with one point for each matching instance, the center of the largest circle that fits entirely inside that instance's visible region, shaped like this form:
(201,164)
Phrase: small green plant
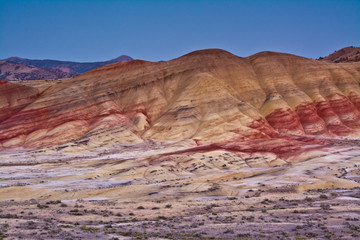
(66,226)
(308,199)
(53,202)
(42,206)
(323,196)
(75,212)
(251,209)
(325,206)
(89,229)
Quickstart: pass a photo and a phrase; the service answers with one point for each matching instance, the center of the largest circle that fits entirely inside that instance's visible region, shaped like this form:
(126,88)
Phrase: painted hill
(207,97)
(347,54)
(14,71)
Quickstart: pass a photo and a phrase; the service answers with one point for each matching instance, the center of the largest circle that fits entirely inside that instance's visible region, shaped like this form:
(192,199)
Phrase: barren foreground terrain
(323,214)
(163,191)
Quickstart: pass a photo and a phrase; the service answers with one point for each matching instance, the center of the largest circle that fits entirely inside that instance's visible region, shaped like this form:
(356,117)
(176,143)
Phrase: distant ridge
(79,67)
(11,71)
(29,69)
(347,54)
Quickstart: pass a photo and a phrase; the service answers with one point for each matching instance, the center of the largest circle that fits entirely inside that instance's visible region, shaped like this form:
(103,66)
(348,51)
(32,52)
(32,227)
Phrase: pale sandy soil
(73,192)
(324,214)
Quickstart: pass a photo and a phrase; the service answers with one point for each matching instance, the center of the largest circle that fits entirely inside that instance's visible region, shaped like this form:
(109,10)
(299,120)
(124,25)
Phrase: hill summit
(347,54)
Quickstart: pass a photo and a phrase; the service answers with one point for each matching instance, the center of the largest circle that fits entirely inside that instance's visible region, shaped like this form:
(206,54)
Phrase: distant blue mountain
(66,66)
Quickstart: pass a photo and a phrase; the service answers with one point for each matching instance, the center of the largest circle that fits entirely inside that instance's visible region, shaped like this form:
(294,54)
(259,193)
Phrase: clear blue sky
(161,30)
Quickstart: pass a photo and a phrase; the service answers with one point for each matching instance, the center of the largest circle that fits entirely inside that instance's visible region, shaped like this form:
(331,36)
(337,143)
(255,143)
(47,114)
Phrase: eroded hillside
(208,96)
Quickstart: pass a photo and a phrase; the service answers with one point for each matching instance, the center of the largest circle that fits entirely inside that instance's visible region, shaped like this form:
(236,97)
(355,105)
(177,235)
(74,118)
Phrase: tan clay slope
(207,95)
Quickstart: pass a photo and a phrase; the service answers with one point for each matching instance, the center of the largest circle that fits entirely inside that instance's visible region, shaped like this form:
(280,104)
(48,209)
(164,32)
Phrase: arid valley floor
(316,196)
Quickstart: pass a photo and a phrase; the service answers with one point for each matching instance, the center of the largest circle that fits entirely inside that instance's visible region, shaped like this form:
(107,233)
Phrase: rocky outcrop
(210,96)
